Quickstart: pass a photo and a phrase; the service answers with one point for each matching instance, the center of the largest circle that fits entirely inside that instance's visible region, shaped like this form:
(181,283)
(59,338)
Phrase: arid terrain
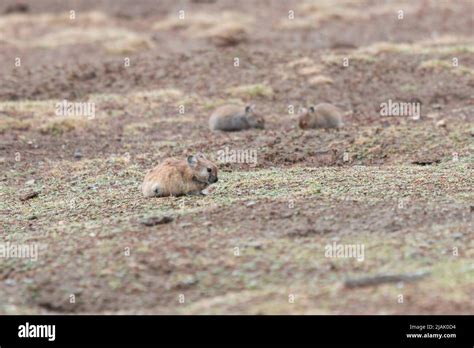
(154,71)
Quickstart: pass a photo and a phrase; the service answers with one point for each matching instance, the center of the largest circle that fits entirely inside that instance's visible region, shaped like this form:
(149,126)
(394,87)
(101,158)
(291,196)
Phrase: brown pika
(323,115)
(175,177)
(231,118)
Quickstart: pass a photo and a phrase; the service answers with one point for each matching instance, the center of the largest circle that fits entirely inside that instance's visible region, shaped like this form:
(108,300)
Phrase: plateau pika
(323,115)
(231,118)
(175,177)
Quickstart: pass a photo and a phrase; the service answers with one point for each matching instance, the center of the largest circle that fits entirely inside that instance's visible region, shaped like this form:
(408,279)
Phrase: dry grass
(312,14)
(32,113)
(310,70)
(9,123)
(305,61)
(58,29)
(29,106)
(210,104)
(156,95)
(441,45)
(113,40)
(226,26)
(54,19)
(251,91)
(63,125)
(337,59)
(130,43)
(41,115)
(151,96)
(436,65)
(304,66)
(320,80)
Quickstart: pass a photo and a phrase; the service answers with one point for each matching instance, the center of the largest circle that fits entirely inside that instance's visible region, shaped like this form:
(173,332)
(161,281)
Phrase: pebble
(10,282)
(457,235)
(156,220)
(29,195)
(77,154)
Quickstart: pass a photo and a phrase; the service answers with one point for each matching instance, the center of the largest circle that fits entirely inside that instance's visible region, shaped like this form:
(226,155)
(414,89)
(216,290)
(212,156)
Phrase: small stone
(441,123)
(18,7)
(426,160)
(30,182)
(10,282)
(250,204)
(255,244)
(77,154)
(156,220)
(189,281)
(29,195)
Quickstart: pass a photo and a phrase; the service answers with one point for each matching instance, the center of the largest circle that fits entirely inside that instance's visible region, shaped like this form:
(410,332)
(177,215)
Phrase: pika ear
(249,108)
(192,161)
(311,108)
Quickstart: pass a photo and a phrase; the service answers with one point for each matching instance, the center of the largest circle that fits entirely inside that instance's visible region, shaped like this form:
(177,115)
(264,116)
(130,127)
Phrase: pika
(231,118)
(175,177)
(323,115)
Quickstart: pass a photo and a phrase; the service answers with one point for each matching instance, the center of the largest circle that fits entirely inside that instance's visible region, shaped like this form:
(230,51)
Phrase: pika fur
(323,115)
(175,177)
(231,118)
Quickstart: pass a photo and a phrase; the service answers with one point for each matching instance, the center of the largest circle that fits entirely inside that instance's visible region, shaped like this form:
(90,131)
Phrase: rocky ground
(400,187)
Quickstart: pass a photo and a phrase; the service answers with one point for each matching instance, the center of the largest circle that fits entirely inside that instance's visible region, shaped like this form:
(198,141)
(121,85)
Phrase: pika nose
(214,179)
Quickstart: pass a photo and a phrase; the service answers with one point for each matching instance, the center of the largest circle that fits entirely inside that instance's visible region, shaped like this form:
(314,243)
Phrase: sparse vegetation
(9,123)
(64,125)
(439,65)
(401,187)
(320,80)
(251,91)
(225,28)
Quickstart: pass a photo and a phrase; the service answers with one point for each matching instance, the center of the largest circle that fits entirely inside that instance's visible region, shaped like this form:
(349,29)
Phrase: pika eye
(209,170)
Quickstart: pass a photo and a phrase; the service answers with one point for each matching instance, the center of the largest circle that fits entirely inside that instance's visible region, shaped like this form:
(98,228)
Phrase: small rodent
(175,177)
(323,115)
(231,118)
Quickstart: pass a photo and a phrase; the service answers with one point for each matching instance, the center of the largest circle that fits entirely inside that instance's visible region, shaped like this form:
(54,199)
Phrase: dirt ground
(400,187)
